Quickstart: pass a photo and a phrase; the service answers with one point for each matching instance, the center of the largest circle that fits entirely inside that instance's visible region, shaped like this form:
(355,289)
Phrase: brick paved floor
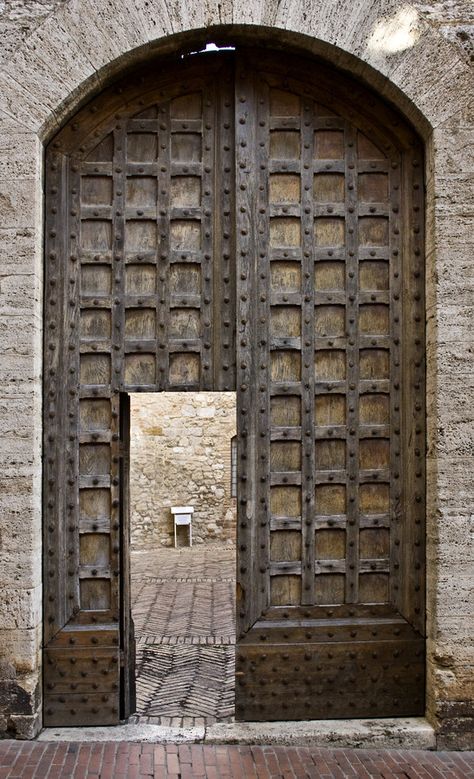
(183,605)
(125,760)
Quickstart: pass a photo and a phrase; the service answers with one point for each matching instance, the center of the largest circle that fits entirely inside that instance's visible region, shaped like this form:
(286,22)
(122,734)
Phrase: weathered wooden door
(329,223)
(243,222)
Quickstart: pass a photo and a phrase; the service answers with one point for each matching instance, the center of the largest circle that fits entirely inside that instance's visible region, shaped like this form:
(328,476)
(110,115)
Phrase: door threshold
(389,733)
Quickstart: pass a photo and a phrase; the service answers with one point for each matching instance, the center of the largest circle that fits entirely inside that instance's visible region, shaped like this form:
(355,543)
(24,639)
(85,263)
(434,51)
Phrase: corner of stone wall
(450,703)
(453,722)
(20,703)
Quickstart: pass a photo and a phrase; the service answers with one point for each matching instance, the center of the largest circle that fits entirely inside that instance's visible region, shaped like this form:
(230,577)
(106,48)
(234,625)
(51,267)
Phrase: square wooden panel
(140,279)
(374,543)
(329,231)
(374,453)
(96,190)
(96,235)
(374,275)
(94,504)
(374,498)
(96,280)
(285,322)
(285,546)
(285,366)
(330,454)
(140,323)
(330,410)
(329,145)
(373,231)
(285,144)
(373,587)
(95,369)
(140,235)
(374,364)
(185,323)
(330,499)
(142,147)
(285,411)
(94,549)
(330,365)
(330,544)
(186,147)
(94,459)
(95,414)
(185,235)
(329,275)
(329,187)
(141,192)
(374,409)
(95,594)
(330,321)
(329,589)
(96,324)
(285,277)
(373,187)
(185,279)
(140,369)
(285,232)
(285,501)
(374,319)
(285,456)
(285,590)
(184,369)
(185,192)
(285,188)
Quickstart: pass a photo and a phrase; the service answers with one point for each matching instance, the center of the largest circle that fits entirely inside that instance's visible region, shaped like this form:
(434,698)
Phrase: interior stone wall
(417,54)
(180,456)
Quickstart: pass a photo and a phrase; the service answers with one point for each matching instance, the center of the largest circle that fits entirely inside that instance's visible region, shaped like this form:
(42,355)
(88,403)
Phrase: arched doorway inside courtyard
(251,222)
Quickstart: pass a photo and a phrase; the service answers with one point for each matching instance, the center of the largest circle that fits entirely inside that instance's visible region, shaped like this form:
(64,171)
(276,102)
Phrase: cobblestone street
(184,615)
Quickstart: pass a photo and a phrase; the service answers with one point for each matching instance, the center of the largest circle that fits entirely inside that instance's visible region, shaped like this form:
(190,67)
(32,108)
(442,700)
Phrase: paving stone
(183,604)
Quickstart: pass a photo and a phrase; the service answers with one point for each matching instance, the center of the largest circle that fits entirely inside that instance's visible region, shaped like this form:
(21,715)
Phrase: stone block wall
(418,54)
(180,455)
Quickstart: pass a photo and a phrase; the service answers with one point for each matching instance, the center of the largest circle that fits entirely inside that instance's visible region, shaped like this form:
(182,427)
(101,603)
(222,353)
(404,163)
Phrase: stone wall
(180,455)
(416,54)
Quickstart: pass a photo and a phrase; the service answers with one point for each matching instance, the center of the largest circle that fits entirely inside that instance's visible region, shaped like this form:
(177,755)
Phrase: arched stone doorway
(243,221)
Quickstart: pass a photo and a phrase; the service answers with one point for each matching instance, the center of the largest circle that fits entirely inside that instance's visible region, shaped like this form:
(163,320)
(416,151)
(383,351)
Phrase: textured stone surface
(417,54)
(180,456)
(18,19)
(183,608)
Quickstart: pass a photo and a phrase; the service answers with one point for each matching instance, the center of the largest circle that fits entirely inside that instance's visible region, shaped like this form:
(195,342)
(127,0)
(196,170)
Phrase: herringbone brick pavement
(183,605)
(124,760)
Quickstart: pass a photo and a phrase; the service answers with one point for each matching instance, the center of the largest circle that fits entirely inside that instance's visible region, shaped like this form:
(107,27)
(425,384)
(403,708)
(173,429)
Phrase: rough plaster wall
(55,55)
(180,455)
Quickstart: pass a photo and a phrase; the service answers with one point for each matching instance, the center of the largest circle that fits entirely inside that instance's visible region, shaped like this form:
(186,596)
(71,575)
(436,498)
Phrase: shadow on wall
(180,454)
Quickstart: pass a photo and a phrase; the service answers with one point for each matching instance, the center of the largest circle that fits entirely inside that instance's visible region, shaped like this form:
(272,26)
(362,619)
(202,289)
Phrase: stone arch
(432,85)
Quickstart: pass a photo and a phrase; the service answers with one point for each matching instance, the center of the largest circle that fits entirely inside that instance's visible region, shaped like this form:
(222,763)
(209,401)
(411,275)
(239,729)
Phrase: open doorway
(182,528)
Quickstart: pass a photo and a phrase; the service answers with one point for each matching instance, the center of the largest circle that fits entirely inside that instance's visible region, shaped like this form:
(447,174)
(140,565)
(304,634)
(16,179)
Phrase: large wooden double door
(244,221)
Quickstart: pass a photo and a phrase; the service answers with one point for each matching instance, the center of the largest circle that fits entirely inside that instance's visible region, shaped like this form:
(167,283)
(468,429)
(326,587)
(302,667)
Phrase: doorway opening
(182,555)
